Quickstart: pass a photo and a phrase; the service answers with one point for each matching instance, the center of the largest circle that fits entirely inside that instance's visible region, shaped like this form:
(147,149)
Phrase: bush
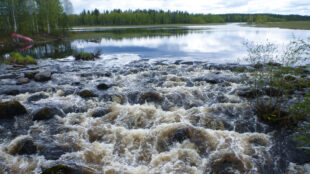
(17,58)
(280,76)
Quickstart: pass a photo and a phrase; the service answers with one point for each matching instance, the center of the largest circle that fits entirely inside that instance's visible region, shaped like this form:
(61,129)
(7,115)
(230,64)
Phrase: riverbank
(301,25)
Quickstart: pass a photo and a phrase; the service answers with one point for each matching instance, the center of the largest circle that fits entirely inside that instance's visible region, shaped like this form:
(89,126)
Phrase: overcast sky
(201,6)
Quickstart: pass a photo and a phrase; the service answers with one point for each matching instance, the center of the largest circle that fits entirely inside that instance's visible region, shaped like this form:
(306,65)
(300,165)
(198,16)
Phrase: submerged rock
(180,135)
(27,147)
(10,109)
(248,93)
(61,169)
(52,152)
(46,113)
(22,81)
(43,76)
(228,164)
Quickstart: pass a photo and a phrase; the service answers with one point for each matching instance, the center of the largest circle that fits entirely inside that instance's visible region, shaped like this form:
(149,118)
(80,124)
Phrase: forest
(34,16)
(54,17)
(149,17)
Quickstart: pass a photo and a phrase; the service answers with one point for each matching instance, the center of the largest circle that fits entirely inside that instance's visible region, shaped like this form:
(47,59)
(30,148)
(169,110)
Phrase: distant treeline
(148,17)
(34,16)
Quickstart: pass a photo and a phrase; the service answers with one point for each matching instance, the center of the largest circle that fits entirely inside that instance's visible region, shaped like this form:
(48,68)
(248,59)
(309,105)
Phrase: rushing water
(162,113)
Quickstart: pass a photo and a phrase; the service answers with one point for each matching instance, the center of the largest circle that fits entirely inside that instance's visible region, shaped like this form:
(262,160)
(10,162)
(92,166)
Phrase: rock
(46,113)
(150,96)
(27,147)
(61,169)
(11,92)
(36,97)
(22,81)
(228,164)
(180,135)
(248,93)
(10,109)
(43,76)
(242,126)
(30,74)
(103,86)
(87,94)
(52,152)
(100,112)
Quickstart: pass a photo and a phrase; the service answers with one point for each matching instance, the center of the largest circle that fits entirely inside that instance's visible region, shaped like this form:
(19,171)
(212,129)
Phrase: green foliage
(85,56)
(17,58)
(279,76)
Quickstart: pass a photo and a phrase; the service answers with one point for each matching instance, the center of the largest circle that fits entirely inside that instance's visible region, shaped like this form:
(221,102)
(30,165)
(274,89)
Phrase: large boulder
(36,97)
(30,74)
(10,109)
(100,112)
(43,76)
(46,113)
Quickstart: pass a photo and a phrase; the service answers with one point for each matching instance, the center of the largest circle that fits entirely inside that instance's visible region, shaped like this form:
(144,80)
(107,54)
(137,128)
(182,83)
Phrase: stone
(10,109)
(27,147)
(180,135)
(100,112)
(87,94)
(52,152)
(46,113)
(22,81)
(228,164)
(30,74)
(36,97)
(62,169)
(150,96)
(43,76)
(103,86)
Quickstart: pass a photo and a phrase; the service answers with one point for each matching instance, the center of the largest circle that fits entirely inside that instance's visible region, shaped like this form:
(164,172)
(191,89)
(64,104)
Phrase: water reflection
(218,43)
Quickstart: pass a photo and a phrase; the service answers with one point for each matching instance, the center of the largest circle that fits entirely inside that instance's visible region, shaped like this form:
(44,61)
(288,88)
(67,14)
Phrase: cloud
(301,7)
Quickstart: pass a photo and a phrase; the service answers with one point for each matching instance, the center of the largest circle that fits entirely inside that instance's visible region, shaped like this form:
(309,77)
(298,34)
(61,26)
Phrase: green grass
(17,58)
(303,25)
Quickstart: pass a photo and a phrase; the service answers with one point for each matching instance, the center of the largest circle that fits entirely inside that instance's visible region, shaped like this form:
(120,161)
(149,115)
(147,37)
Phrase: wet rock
(43,76)
(61,169)
(22,81)
(248,93)
(46,113)
(150,96)
(27,147)
(211,78)
(228,164)
(52,152)
(103,86)
(87,94)
(242,126)
(36,97)
(180,135)
(10,109)
(100,112)
(11,92)
(30,74)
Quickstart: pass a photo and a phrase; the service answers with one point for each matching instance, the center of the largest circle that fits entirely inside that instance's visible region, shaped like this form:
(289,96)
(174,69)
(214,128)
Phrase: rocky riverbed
(123,114)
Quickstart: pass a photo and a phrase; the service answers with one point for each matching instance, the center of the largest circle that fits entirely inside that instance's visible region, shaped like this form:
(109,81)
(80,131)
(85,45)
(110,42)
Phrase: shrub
(17,58)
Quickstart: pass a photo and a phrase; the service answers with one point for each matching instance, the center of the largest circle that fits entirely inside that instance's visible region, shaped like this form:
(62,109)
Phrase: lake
(211,43)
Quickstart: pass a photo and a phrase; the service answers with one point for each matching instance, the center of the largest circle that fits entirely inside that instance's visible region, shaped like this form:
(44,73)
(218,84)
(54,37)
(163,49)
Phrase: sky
(301,7)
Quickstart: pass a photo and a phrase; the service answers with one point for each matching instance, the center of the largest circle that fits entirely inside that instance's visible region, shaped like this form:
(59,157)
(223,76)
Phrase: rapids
(154,116)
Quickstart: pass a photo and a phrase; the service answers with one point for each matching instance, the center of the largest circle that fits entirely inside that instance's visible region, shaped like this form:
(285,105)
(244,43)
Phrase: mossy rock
(46,113)
(17,58)
(61,169)
(10,109)
(87,94)
(85,56)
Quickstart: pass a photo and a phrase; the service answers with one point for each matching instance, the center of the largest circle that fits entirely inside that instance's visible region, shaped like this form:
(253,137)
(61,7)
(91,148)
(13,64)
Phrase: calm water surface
(212,43)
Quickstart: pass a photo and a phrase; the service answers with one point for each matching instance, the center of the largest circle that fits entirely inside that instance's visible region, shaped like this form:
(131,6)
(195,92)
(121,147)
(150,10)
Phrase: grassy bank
(303,25)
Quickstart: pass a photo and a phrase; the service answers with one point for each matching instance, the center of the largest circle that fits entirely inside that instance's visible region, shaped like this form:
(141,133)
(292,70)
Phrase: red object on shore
(21,37)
